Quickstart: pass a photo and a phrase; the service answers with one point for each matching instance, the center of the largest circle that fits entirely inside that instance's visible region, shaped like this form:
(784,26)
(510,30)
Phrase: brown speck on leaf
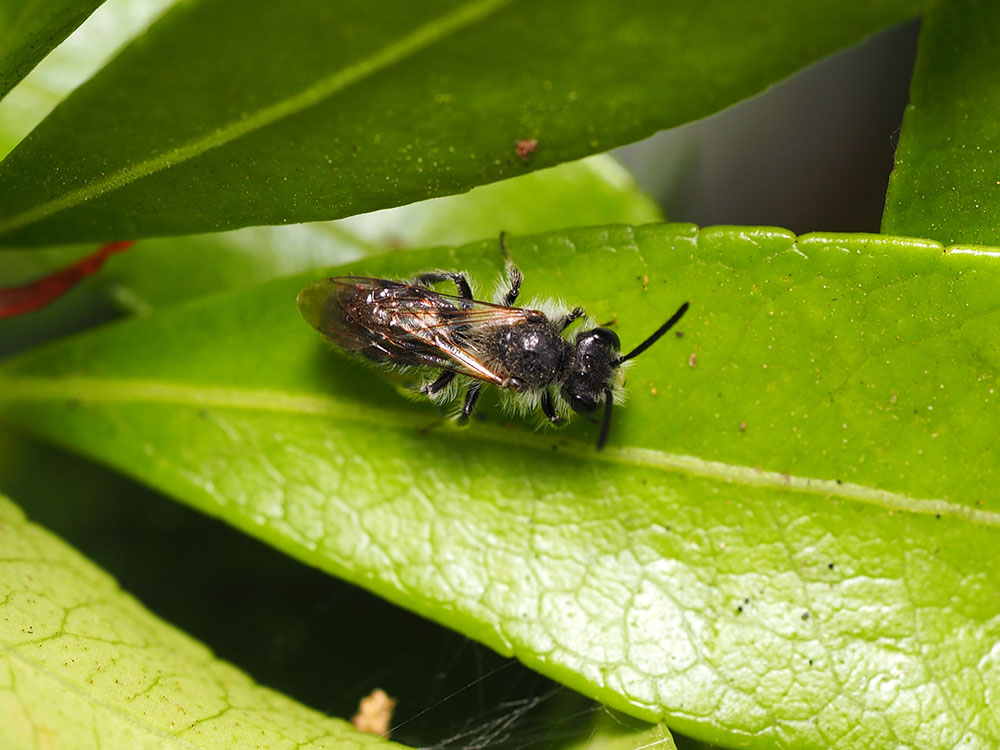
(743,426)
(374,713)
(652,389)
(692,360)
(526,148)
(645,282)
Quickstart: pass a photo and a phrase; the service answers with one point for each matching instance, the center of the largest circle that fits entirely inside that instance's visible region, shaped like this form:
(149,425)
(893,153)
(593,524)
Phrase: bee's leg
(433,277)
(549,408)
(471,397)
(574,314)
(443,381)
(514,280)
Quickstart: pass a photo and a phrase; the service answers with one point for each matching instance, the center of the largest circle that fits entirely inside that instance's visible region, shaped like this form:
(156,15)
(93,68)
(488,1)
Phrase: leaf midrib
(114,390)
(420,38)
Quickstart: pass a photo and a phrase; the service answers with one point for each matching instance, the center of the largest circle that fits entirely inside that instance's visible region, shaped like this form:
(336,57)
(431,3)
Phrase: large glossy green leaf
(945,181)
(30,28)
(785,543)
(83,665)
(232,113)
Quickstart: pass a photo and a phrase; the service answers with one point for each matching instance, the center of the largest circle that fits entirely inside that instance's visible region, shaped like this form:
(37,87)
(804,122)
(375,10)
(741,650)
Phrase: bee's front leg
(574,314)
(549,408)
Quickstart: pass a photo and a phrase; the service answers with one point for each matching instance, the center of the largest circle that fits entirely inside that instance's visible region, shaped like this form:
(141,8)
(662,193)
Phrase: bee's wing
(336,308)
(407,324)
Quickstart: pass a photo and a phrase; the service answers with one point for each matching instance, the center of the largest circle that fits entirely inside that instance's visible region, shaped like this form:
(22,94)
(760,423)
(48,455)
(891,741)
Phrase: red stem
(17,300)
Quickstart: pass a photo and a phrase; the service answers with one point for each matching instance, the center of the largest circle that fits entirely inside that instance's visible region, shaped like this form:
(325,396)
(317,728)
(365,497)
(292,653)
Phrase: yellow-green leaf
(84,666)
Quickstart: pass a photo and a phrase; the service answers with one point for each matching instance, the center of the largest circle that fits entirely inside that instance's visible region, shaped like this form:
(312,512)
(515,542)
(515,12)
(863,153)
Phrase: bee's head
(591,376)
(592,370)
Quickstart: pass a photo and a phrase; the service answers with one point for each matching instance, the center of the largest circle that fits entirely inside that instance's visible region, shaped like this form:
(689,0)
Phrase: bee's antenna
(655,337)
(606,422)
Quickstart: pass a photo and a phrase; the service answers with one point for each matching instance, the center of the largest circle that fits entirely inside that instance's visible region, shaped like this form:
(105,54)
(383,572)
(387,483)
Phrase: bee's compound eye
(582,404)
(607,338)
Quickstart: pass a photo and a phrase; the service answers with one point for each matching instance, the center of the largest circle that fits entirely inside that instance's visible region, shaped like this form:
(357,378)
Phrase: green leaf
(83,665)
(945,184)
(763,554)
(30,28)
(228,114)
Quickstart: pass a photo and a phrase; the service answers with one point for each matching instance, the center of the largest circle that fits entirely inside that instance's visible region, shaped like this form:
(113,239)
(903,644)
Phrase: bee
(529,354)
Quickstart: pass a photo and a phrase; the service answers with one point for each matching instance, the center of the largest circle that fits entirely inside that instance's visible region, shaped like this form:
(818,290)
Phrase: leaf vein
(107,390)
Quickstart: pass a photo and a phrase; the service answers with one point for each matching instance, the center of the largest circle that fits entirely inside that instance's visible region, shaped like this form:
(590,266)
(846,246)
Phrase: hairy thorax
(533,353)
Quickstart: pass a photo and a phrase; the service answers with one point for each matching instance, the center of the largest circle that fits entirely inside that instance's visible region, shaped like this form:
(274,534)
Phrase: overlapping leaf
(945,185)
(227,113)
(30,28)
(760,555)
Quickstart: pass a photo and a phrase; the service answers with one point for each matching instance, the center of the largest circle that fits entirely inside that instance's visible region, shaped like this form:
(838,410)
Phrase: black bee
(525,352)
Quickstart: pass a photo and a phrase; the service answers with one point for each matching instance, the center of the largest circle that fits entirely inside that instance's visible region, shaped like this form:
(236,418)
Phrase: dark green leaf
(82,664)
(946,184)
(762,555)
(30,28)
(229,113)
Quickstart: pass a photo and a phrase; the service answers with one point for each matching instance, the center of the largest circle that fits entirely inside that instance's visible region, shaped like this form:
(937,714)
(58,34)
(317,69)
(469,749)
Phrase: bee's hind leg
(471,397)
(549,408)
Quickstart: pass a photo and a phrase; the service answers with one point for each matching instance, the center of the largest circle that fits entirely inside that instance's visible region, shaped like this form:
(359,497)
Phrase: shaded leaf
(30,28)
(228,114)
(945,184)
(83,665)
(758,556)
